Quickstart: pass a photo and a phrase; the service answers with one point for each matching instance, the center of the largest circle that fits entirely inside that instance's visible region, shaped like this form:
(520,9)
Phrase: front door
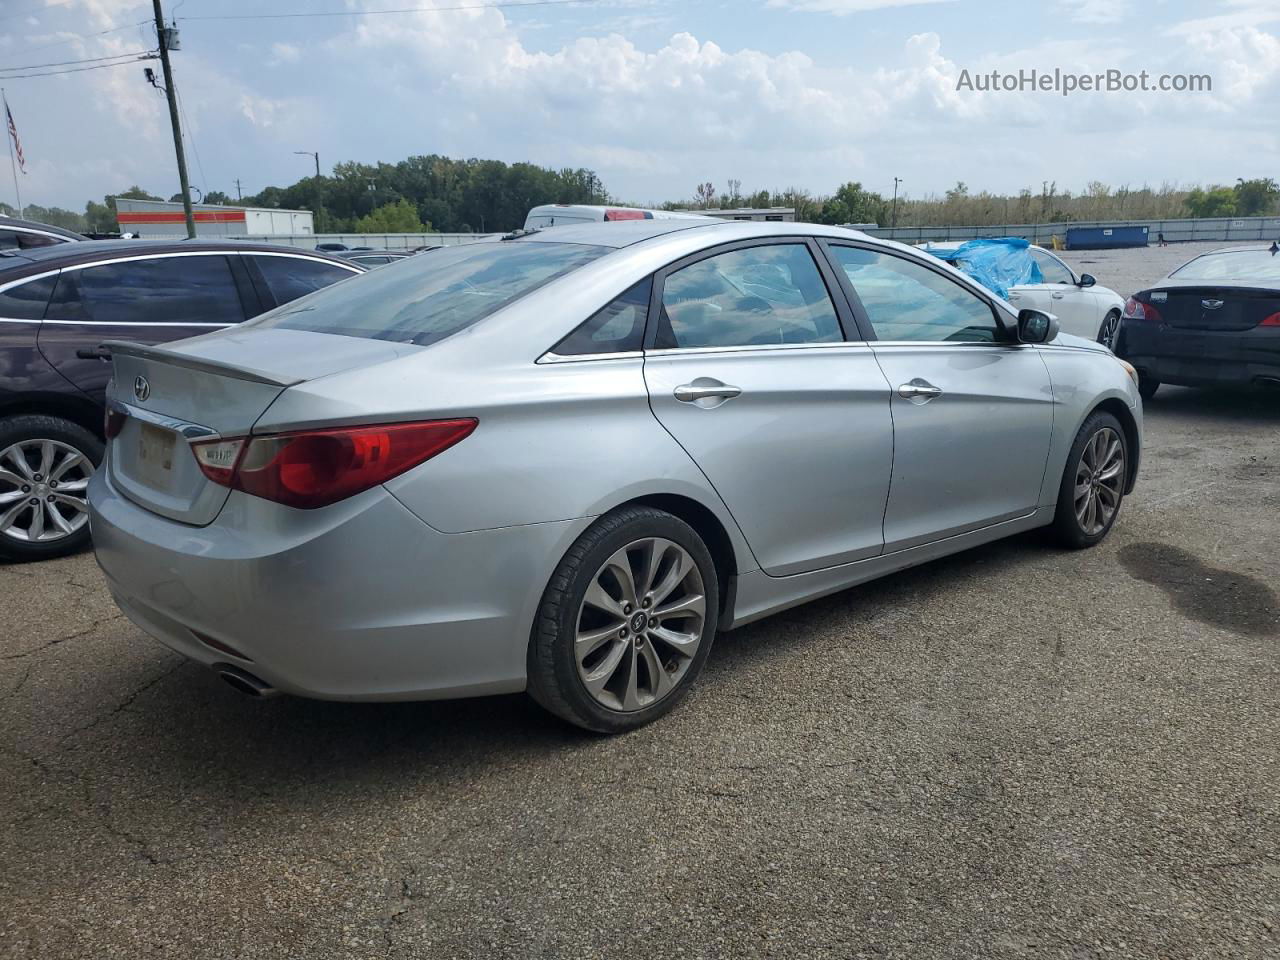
(748,368)
(972,413)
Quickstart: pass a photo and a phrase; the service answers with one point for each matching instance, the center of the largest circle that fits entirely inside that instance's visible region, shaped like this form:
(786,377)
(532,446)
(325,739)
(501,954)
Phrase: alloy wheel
(1099,481)
(640,624)
(1107,333)
(43,490)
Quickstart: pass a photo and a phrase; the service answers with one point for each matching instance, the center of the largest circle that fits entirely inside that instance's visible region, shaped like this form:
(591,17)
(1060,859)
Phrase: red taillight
(1271,321)
(314,468)
(1133,310)
(113,423)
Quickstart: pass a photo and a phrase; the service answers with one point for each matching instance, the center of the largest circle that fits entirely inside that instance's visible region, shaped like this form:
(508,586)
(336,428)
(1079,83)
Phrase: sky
(655,95)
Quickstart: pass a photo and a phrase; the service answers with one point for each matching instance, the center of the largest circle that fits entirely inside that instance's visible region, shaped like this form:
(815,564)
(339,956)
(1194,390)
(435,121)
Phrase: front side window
(289,278)
(427,299)
(770,294)
(1051,268)
(907,301)
(192,289)
(26,301)
(616,328)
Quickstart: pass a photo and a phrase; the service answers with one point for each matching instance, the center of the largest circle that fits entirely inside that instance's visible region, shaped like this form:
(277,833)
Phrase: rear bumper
(358,601)
(1202,358)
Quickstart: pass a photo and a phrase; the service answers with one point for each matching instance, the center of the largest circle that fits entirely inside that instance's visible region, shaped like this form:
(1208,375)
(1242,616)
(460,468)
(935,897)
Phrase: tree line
(436,193)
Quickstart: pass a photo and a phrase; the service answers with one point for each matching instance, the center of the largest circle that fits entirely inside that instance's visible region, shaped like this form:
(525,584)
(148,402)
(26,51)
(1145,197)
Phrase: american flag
(13,132)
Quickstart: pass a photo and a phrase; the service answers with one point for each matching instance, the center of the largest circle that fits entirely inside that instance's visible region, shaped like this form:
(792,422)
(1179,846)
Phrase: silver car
(561,462)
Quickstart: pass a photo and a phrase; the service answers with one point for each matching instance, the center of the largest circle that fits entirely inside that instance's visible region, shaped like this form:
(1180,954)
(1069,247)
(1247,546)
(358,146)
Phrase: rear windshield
(1232,265)
(426,298)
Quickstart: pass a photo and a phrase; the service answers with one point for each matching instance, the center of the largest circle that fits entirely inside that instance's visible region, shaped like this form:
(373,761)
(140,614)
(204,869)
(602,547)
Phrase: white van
(557,214)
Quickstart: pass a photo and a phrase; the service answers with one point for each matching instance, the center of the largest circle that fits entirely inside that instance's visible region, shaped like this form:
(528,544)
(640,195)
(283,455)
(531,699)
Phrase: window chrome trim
(299,256)
(137,323)
(16,320)
(758,347)
(553,357)
(28,279)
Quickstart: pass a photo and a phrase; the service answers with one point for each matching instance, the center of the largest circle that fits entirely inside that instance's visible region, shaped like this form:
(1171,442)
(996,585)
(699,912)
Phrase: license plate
(155,455)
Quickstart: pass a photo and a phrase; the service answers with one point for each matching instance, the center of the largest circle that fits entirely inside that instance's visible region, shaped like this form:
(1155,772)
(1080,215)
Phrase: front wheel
(1093,483)
(626,622)
(45,466)
(1109,330)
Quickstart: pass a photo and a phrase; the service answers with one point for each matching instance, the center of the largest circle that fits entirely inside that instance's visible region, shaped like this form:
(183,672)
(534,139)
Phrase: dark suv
(57,304)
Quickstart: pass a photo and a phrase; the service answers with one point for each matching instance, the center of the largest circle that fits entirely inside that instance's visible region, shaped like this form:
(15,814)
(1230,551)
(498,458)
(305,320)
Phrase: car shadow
(190,728)
(1259,405)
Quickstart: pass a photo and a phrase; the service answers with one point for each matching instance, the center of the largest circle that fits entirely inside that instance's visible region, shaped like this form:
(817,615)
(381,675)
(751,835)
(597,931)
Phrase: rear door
(972,415)
(143,299)
(748,367)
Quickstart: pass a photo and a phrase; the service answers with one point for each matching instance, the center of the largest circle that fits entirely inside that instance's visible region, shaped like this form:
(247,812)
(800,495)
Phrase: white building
(158,218)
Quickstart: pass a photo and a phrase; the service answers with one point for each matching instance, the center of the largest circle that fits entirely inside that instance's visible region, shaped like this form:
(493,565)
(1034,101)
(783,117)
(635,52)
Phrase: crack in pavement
(126,702)
(57,640)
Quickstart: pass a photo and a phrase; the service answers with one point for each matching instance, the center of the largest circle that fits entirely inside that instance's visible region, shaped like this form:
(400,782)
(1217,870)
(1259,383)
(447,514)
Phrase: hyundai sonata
(563,460)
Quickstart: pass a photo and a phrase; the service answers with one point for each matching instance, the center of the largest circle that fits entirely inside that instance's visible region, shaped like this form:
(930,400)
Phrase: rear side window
(426,299)
(29,241)
(8,240)
(160,290)
(289,278)
(758,295)
(617,328)
(27,301)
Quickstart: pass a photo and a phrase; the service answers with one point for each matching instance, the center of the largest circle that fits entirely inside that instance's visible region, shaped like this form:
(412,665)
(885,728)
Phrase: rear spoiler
(109,349)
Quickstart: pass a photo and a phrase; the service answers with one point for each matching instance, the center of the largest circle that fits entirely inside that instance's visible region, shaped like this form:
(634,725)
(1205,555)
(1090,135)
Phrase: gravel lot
(1014,752)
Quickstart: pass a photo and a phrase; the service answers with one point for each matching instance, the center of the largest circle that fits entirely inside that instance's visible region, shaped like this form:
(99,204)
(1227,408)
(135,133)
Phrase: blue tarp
(997,263)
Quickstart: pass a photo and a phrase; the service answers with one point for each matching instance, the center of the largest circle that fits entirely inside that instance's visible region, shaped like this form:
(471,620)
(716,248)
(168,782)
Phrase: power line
(503,5)
(64,63)
(55,73)
(189,136)
(84,36)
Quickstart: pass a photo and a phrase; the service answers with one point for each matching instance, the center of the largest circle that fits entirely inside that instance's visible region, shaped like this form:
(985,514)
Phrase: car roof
(19,262)
(37,225)
(617,233)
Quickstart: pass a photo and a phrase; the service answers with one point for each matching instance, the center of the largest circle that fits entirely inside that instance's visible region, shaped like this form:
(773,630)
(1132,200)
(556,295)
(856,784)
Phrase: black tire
(1068,530)
(1110,330)
(20,429)
(1147,386)
(554,680)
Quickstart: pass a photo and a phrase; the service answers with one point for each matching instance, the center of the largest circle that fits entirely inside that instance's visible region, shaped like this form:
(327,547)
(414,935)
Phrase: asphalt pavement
(1014,752)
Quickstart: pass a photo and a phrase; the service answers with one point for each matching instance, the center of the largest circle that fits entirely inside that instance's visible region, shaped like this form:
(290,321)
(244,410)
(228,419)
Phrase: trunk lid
(205,388)
(1221,308)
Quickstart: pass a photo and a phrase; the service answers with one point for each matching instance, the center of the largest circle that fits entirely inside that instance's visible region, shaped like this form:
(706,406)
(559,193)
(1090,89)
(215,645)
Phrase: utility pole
(239,195)
(894,222)
(165,36)
(319,199)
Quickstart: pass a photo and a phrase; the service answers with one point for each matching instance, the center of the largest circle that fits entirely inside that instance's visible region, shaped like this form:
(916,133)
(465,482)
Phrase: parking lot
(1013,752)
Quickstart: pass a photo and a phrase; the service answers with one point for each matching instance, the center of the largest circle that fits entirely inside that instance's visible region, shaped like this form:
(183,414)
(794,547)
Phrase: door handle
(1057,296)
(919,391)
(705,388)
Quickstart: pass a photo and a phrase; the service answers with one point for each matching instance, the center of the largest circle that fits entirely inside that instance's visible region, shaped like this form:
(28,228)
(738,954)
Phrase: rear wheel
(1147,386)
(626,623)
(1093,483)
(45,466)
(1109,330)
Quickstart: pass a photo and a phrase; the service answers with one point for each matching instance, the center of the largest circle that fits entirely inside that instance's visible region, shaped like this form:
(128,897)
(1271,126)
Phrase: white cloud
(283,53)
(1095,11)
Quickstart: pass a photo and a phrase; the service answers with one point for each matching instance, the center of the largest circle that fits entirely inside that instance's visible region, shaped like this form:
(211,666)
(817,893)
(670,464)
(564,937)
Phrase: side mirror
(1087,280)
(1036,326)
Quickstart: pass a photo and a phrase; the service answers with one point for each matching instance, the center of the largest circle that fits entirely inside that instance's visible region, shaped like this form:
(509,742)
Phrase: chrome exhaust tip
(246,682)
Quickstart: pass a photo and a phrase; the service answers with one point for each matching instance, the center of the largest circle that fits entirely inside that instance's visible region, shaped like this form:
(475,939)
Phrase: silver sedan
(561,462)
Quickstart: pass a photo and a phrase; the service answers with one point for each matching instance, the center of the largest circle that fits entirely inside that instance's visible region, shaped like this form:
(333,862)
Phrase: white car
(558,214)
(1082,306)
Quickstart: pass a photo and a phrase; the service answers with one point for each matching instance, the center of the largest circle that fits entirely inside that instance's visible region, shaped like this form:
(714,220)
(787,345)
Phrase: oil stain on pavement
(1219,598)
